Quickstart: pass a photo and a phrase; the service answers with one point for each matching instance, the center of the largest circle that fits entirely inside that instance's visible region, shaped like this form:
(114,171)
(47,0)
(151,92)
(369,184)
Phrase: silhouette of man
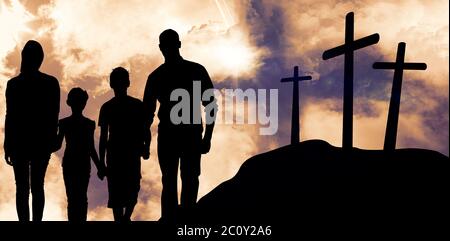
(79,134)
(177,143)
(122,138)
(32,109)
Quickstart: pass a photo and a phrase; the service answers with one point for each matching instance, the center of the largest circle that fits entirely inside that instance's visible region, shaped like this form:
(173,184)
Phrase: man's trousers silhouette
(174,148)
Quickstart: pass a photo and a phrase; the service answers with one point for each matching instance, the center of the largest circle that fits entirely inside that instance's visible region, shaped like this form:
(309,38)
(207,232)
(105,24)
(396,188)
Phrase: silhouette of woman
(32,109)
(122,138)
(79,134)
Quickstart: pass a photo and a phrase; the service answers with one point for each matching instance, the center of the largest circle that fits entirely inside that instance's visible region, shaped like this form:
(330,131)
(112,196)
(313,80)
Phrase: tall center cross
(295,129)
(394,106)
(347,50)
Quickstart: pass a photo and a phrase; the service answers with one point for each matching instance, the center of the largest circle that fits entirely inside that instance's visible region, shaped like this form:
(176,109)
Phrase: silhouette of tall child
(32,109)
(122,138)
(79,134)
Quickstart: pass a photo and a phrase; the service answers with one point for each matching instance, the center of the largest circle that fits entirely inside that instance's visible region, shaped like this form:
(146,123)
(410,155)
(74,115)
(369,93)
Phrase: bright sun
(234,57)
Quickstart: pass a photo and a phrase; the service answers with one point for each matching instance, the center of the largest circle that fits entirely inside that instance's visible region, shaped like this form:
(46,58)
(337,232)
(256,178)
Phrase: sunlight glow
(13,22)
(235,57)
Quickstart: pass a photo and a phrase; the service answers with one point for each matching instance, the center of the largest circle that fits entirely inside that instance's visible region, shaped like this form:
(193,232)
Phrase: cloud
(124,30)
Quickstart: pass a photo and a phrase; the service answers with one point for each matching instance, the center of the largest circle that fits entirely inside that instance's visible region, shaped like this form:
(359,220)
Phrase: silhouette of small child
(122,139)
(78,132)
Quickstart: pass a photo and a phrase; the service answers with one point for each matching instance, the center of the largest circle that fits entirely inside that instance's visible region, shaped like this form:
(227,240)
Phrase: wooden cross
(394,106)
(295,129)
(347,50)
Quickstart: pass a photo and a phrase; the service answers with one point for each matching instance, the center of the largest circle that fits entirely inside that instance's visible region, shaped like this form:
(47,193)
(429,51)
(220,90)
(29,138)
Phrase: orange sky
(242,44)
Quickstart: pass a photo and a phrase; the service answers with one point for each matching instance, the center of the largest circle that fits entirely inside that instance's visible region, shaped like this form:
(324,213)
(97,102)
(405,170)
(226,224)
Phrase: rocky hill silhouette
(314,182)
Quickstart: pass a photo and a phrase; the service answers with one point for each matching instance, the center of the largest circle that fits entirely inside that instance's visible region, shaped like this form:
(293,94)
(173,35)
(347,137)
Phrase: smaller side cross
(394,106)
(295,129)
